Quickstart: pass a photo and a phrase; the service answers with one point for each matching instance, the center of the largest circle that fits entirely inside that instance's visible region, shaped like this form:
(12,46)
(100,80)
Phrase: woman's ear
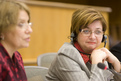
(1,36)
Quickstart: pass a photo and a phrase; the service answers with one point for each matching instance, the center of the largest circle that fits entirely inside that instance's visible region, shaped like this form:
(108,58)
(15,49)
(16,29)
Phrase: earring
(2,37)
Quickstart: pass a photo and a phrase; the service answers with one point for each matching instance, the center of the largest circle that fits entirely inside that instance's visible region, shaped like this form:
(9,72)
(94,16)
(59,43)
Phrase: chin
(92,46)
(26,45)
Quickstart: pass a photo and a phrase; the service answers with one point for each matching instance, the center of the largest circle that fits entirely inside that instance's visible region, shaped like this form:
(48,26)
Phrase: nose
(92,35)
(29,29)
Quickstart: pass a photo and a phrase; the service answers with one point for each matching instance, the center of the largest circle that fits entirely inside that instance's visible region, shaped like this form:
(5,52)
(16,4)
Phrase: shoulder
(116,48)
(67,47)
(70,52)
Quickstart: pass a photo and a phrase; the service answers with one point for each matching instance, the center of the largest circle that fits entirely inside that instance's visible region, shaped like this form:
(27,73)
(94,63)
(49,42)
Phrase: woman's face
(19,36)
(88,42)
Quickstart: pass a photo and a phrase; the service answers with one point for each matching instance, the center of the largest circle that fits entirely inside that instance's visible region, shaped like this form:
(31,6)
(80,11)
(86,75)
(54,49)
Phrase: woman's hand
(98,55)
(112,59)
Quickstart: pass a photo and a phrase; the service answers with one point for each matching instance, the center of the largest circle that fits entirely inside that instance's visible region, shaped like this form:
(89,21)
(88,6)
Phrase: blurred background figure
(15,29)
(116,50)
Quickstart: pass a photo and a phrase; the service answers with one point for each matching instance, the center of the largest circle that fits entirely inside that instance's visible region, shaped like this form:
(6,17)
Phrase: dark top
(11,69)
(116,50)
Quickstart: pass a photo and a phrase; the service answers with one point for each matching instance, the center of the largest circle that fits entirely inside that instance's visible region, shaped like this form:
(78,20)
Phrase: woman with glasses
(15,32)
(78,60)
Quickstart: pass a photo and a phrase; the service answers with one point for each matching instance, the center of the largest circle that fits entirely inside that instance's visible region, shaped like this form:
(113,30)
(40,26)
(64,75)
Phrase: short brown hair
(81,18)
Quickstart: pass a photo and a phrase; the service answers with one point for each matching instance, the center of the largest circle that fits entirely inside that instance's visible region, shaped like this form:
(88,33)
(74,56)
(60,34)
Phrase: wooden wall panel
(106,16)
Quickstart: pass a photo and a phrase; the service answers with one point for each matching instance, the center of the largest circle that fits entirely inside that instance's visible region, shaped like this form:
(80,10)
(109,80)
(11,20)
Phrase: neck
(9,48)
(76,45)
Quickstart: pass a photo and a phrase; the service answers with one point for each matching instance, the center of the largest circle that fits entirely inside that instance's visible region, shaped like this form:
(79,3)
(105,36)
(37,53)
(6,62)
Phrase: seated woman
(15,30)
(78,60)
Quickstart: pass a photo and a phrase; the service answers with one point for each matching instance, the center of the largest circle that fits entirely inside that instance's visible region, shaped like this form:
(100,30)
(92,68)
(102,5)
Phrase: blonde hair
(81,18)
(9,11)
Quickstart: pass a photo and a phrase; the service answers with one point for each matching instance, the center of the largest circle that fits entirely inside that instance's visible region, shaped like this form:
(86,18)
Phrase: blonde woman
(15,30)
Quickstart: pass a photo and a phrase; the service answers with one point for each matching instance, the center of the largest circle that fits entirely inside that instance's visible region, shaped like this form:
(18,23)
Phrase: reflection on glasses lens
(25,24)
(88,32)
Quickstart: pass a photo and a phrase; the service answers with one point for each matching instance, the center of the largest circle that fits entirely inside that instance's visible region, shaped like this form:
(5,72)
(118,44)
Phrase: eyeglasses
(88,32)
(25,24)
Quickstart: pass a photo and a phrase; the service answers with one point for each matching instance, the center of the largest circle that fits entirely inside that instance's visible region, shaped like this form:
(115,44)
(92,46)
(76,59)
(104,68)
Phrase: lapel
(70,51)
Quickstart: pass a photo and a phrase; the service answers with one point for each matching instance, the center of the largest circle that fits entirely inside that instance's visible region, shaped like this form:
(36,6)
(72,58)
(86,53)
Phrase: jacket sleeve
(117,76)
(67,69)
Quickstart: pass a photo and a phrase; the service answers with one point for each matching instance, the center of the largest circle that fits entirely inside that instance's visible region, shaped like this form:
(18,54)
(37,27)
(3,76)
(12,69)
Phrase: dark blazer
(69,66)
(116,50)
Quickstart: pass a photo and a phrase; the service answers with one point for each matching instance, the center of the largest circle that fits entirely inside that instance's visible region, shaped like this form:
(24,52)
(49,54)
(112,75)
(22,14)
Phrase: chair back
(35,73)
(45,59)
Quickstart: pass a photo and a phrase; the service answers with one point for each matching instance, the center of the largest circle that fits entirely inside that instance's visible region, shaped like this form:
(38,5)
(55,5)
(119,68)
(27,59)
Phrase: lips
(27,39)
(92,42)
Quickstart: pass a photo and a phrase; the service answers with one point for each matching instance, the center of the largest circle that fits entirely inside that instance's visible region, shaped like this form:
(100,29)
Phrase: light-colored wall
(51,27)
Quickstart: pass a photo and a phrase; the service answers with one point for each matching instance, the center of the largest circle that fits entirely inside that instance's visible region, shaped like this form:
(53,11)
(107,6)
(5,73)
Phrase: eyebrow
(22,20)
(95,29)
(89,28)
(98,28)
